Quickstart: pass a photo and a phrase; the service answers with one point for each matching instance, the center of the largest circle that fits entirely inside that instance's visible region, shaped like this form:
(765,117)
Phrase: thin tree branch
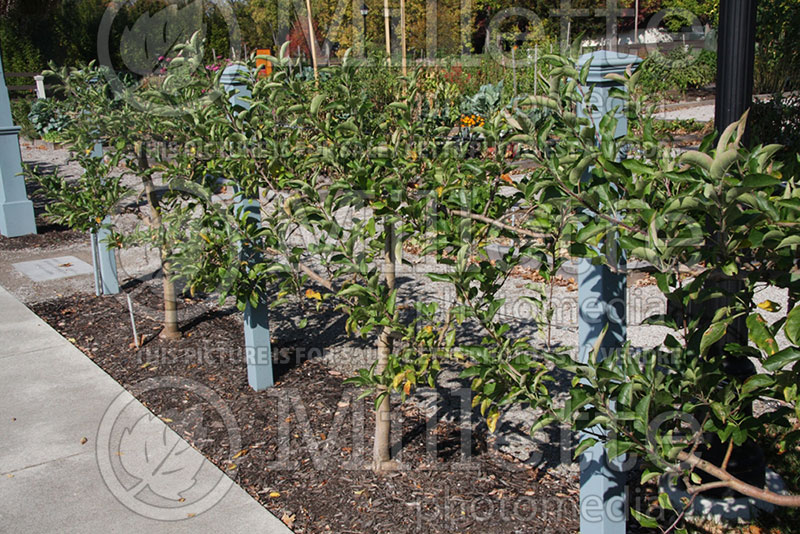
(498,224)
(727,458)
(729,481)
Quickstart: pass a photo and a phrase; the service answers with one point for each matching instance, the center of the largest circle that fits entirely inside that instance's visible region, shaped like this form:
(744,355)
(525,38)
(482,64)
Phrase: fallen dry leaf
(288,520)
(83,441)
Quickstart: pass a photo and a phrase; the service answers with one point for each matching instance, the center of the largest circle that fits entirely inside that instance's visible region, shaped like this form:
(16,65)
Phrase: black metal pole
(364,35)
(735,57)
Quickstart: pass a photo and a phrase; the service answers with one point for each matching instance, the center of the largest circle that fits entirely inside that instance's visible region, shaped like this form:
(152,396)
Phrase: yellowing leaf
(311,294)
(398,379)
(491,420)
(769,306)
(274,494)
(240,454)
(407,387)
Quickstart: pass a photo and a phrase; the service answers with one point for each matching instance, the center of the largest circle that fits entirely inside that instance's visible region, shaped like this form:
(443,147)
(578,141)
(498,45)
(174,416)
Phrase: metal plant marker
(16,211)
(602,306)
(257,343)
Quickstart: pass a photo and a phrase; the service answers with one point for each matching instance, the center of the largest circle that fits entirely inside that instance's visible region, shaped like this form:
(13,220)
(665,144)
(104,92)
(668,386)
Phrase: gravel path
(139,274)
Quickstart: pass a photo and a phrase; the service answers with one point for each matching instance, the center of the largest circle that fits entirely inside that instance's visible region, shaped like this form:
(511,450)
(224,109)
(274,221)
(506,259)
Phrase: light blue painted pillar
(105,262)
(601,304)
(256,318)
(16,211)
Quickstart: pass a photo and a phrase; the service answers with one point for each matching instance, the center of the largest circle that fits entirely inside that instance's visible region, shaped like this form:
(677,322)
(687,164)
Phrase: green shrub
(485,102)
(777,121)
(46,117)
(679,69)
(777,64)
(20,108)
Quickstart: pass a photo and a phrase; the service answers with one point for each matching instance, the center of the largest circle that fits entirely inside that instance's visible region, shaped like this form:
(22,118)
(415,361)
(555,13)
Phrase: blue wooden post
(601,304)
(103,258)
(256,318)
(16,211)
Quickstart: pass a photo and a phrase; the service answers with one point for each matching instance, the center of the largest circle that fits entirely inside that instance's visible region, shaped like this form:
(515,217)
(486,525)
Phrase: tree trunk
(170,330)
(382,457)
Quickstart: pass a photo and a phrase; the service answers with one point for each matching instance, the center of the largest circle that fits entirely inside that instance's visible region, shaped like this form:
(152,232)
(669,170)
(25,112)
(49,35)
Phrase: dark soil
(306,443)
(48,236)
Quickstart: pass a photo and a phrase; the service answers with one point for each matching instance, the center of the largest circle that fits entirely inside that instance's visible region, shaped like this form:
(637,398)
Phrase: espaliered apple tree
(83,203)
(361,204)
(727,212)
(133,124)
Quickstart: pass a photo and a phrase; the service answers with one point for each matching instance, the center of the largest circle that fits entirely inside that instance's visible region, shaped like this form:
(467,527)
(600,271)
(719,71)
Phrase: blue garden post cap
(603,63)
(607,62)
(234,80)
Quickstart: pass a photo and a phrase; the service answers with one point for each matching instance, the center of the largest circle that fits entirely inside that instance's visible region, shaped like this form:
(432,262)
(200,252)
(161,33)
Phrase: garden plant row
(365,140)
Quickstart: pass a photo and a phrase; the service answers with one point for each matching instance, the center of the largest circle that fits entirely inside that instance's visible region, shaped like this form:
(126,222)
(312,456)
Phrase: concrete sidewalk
(52,480)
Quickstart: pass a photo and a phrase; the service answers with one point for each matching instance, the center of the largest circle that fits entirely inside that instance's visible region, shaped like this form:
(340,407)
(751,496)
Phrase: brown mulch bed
(306,443)
(48,236)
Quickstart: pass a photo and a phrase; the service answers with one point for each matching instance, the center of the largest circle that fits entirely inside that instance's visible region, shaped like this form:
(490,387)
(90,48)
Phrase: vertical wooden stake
(386,25)
(514,73)
(403,35)
(536,70)
(313,43)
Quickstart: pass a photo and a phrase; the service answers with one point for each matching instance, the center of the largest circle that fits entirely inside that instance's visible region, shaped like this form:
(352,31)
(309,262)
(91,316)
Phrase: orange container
(264,67)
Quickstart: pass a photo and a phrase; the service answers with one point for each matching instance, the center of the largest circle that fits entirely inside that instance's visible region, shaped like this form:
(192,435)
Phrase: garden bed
(489,492)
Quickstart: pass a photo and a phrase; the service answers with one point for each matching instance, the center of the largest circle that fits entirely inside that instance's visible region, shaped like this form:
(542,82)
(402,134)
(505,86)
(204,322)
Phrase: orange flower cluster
(468,121)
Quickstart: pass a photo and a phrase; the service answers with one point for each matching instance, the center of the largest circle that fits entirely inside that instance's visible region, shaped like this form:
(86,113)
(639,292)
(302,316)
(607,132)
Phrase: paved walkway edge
(51,397)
